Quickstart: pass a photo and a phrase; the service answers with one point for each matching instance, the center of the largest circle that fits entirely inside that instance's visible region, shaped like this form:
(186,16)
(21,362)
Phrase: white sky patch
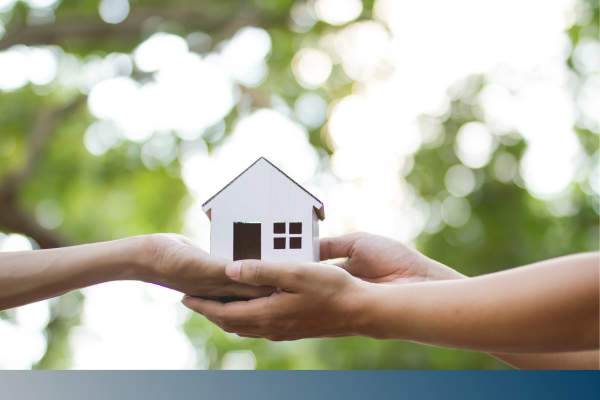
(43,65)
(244,56)
(338,12)
(427,52)
(14,242)
(362,46)
(13,68)
(42,3)
(20,348)
(282,141)
(189,94)
(130,326)
(24,339)
(158,50)
(6,5)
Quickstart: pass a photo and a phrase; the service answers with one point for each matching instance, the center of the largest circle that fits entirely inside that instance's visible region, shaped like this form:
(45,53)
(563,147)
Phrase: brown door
(246,240)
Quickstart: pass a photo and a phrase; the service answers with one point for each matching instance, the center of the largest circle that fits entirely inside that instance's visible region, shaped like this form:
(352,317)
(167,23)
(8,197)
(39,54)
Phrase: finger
(343,264)
(244,330)
(185,240)
(259,273)
(244,291)
(236,313)
(339,247)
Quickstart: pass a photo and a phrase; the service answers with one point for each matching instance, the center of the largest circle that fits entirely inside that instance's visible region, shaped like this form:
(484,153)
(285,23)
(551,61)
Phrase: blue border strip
(101,385)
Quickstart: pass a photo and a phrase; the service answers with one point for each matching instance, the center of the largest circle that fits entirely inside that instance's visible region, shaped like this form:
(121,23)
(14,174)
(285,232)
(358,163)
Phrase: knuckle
(257,272)
(325,249)
(267,322)
(221,318)
(228,329)
(251,270)
(275,338)
(362,234)
(295,272)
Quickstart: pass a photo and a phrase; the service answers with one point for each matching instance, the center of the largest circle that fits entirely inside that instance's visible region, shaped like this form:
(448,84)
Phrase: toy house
(263,214)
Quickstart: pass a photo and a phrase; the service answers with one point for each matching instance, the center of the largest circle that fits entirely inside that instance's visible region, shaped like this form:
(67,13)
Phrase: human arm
(383,260)
(165,259)
(540,308)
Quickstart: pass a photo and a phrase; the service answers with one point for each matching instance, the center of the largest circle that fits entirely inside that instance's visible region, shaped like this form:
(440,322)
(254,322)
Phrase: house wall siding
(316,243)
(264,195)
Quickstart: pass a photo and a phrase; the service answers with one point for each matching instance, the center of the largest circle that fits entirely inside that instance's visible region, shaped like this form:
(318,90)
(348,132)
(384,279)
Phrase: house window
(279,227)
(279,243)
(296,228)
(295,243)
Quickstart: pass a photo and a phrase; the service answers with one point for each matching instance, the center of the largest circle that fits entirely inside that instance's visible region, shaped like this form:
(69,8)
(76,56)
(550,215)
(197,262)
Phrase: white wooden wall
(263,194)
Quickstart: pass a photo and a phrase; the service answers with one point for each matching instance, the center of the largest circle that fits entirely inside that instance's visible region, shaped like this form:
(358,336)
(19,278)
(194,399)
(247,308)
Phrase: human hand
(380,259)
(178,263)
(313,300)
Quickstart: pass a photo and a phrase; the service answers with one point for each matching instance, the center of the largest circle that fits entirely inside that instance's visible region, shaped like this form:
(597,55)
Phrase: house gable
(318,206)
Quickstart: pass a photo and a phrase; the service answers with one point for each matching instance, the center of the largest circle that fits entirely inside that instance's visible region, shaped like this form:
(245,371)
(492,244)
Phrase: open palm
(383,260)
(179,263)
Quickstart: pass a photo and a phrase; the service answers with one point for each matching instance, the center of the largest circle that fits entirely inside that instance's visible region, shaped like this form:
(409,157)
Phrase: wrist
(137,256)
(122,259)
(366,310)
(439,272)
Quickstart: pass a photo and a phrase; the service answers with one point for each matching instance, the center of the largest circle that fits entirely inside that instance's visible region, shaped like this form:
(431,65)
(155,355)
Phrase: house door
(246,240)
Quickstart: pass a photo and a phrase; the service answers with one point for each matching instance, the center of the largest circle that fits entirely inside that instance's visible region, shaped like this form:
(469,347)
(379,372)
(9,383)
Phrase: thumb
(339,247)
(259,273)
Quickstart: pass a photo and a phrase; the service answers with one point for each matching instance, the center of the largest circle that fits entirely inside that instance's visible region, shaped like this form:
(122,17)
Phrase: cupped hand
(313,300)
(178,263)
(380,259)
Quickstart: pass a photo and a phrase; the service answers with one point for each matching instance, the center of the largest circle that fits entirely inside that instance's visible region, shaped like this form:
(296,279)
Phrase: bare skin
(165,259)
(540,316)
(382,260)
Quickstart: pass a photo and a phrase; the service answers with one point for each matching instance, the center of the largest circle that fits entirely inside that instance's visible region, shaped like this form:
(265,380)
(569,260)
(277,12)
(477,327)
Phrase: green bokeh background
(116,195)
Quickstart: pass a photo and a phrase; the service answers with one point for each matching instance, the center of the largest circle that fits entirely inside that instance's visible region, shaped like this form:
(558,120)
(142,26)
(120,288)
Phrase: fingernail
(234,269)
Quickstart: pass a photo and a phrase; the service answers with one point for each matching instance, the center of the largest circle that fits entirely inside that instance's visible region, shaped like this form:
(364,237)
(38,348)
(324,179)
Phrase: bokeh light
(311,110)
(238,360)
(460,180)
(338,12)
(113,11)
(49,213)
(311,67)
(475,144)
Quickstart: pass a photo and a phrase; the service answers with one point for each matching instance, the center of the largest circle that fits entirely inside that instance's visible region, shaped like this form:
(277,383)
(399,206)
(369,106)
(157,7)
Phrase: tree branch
(12,216)
(89,27)
(14,219)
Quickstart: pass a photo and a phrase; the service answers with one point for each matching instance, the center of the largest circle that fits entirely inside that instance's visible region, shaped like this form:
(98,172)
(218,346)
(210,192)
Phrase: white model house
(263,214)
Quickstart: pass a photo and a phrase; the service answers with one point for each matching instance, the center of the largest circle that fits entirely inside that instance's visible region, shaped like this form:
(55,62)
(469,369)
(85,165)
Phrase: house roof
(319,211)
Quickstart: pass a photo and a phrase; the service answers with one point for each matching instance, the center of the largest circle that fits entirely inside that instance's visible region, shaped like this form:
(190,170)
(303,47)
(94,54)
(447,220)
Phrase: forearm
(547,307)
(26,277)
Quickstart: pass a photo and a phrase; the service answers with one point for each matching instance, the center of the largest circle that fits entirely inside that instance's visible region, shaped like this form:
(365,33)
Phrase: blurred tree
(44,164)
